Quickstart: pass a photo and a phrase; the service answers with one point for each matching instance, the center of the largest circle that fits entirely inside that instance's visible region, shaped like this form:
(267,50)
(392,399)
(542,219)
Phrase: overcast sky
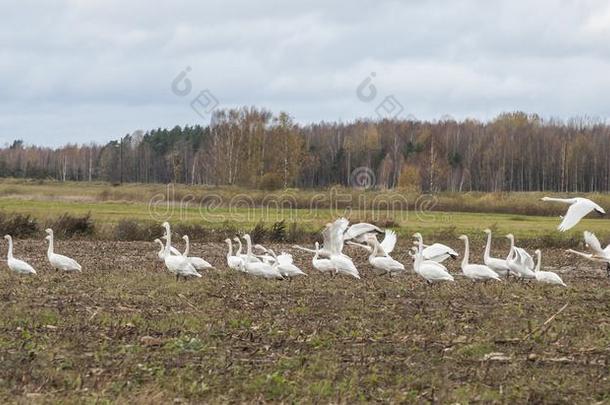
(93,70)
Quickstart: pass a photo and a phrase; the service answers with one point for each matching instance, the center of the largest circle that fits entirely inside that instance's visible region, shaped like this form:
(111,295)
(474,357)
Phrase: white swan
(437,252)
(385,247)
(498,265)
(161,252)
(60,262)
(321,251)
(266,257)
(520,263)
(579,207)
(323,265)
(430,270)
(334,235)
(197,262)
(598,254)
(234,261)
(16,265)
(384,264)
(285,265)
(172,250)
(178,265)
(546,276)
(333,241)
(476,272)
(244,256)
(359,232)
(259,269)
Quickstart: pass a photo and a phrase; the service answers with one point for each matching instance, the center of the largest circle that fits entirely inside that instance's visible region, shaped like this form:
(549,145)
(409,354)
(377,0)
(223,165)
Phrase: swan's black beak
(601,214)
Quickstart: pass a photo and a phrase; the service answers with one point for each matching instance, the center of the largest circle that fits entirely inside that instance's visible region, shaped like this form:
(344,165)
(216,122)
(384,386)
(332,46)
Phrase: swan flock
(329,257)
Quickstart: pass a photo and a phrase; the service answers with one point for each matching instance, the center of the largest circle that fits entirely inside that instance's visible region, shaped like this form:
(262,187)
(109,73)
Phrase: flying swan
(579,207)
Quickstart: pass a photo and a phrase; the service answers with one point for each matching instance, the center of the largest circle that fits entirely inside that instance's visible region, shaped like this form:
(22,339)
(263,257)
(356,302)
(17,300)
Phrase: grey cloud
(83,70)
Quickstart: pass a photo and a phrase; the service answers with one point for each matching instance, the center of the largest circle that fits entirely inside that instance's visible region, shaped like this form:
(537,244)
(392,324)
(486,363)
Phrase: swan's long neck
(418,256)
(230,248)
(466,253)
(317,254)
(249,248)
(10,249)
(374,251)
(511,252)
(561,200)
(488,247)
(305,249)
(50,249)
(168,241)
(239,247)
(187,247)
(162,250)
(538,262)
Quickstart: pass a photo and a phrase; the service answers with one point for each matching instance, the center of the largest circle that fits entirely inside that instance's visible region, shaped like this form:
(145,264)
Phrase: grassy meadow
(443,216)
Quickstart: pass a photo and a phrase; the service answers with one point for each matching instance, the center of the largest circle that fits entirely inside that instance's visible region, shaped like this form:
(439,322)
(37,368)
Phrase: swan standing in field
(197,262)
(177,264)
(168,231)
(385,247)
(476,272)
(259,269)
(598,254)
(383,264)
(431,271)
(579,207)
(437,252)
(233,261)
(520,263)
(60,262)
(546,276)
(161,252)
(16,265)
(265,257)
(498,265)
(284,264)
(323,265)
(334,242)
(245,256)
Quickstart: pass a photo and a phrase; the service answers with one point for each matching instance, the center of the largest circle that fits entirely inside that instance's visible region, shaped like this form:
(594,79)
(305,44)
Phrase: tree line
(253,147)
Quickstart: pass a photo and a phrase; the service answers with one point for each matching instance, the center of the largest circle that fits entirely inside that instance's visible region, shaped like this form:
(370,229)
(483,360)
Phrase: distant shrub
(271,181)
(557,241)
(195,232)
(386,223)
(104,195)
(128,229)
(68,226)
(258,233)
(277,233)
(18,225)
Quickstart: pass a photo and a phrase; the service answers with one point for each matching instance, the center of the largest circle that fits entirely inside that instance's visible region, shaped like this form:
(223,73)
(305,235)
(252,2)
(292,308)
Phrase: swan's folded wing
(575,213)
(389,241)
(438,250)
(593,242)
